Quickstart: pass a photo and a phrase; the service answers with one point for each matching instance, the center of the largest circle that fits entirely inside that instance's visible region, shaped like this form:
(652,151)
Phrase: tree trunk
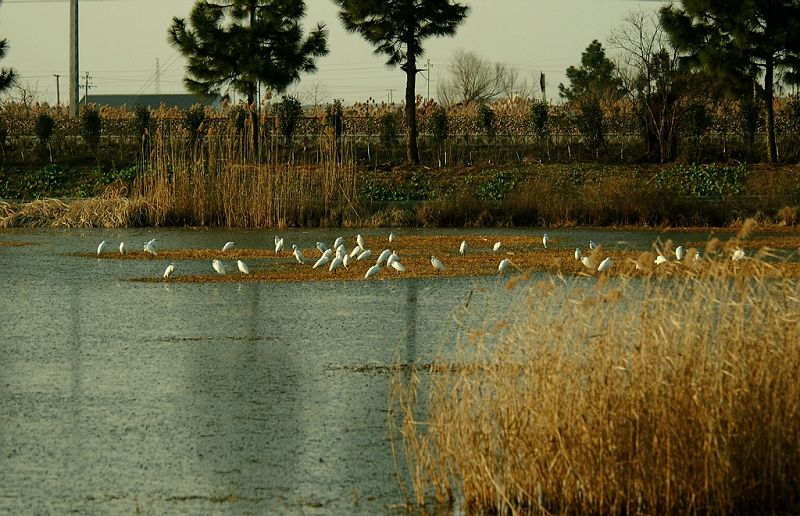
(410,67)
(772,148)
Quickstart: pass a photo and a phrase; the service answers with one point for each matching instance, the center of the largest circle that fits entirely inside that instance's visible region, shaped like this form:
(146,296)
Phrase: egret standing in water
(391,237)
(217,265)
(463,247)
(496,247)
(604,265)
(360,241)
(228,245)
(578,253)
(504,263)
(544,240)
(335,263)
(372,271)
(150,247)
(101,248)
(169,270)
(325,258)
(298,254)
(592,244)
(242,267)
(278,244)
(438,265)
(122,248)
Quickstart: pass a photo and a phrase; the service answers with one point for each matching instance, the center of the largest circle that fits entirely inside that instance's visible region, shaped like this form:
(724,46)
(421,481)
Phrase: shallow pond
(123,396)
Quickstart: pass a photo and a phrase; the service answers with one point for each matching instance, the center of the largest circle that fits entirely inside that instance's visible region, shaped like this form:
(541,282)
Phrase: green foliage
(7,75)
(439,125)
(486,119)
(289,111)
(702,180)
(334,118)
(44,127)
(141,121)
(193,120)
(390,134)
(696,120)
(238,117)
(540,119)
(497,185)
(3,134)
(91,126)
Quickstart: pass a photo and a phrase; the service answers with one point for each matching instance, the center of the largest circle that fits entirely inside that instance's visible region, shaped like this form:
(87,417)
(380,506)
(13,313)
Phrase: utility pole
(86,87)
(542,86)
(428,67)
(158,77)
(390,95)
(58,91)
(74,81)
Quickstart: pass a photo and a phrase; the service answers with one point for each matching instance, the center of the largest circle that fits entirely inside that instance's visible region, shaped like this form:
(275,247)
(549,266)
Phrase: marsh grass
(652,394)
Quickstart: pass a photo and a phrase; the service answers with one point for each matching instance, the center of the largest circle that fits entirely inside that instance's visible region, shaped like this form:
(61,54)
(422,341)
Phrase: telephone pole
(58,91)
(74,81)
(86,87)
(428,67)
(390,95)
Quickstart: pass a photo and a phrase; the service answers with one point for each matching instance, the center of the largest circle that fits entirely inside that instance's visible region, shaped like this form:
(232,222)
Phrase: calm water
(119,396)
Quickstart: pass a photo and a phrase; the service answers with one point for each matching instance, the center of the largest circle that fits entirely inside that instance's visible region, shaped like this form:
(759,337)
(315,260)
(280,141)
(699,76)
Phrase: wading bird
(242,267)
(339,241)
(680,252)
(660,259)
(578,253)
(360,241)
(101,248)
(278,244)
(592,244)
(391,237)
(372,271)
(228,245)
(335,263)
(150,247)
(122,248)
(364,255)
(604,265)
(169,270)
(544,240)
(437,264)
(463,247)
(217,265)
(496,247)
(504,263)
(385,254)
(322,260)
(399,267)
(298,254)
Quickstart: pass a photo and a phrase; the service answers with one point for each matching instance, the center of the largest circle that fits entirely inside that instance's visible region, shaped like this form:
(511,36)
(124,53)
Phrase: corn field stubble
(656,393)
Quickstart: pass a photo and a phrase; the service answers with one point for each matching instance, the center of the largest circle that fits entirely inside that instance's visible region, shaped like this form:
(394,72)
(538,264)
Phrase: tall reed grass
(221,180)
(650,395)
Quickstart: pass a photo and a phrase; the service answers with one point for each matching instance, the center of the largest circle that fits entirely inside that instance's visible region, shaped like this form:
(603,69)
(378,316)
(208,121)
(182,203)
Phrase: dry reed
(652,394)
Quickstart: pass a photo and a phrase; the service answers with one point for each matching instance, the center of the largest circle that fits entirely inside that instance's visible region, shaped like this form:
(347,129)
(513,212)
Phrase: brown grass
(654,394)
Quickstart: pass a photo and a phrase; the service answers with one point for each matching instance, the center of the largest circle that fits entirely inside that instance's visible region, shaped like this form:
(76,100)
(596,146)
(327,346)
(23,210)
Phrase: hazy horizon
(122,40)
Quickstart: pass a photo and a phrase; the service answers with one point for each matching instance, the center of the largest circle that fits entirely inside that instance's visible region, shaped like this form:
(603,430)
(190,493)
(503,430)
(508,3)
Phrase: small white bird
(680,252)
(463,247)
(604,265)
(278,244)
(169,270)
(697,256)
(392,258)
(399,267)
(322,260)
(660,259)
(356,251)
(360,241)
(364,255)
(339,241)
(335,263)
(587,262)
(385,254)
(391,237)
(298,254)
(346,261)
(150,247)
(242,267)
(578,253)
(592,245)
(496,247)
(437,264)
(322,247)
(228,245)
(544,240)
(504,263)
(101,248)
(217,265)
(341,252)
(122,248)
(372,271)
(328,253)
(738,254)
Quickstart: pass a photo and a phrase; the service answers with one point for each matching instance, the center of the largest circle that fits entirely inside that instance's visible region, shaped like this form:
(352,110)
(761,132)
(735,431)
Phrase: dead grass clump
(788,216)
(35,214)
(632,395)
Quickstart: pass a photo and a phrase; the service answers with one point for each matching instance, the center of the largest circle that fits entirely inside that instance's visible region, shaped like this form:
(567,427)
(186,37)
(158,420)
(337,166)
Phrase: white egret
(504,263)
(385,254)
(496,247)
(372,271)
(360,241)
(298,254)
(322,261)
(544,240)
(322,247)
(604,265)
(587,262)
(437,264)
(364,255)
(278,244)
(150,247)
(341,252)
(738,254)
(392,258)
(346,261)
(328,253)
(578,253)
(335,263)
(463,247)
(243,268)
(356,251)
(680,252)
(101,247)
(660,259)
(122,248)
(339,241)
(217,265)
(228,245)
(592,244)
(399,267)
(697,256)
(169,270)
(391,237)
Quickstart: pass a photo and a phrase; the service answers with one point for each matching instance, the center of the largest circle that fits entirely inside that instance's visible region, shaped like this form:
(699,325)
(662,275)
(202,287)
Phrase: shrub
(45,125)
(439,125)
(141,121)
(390,134)
(540,119)
(91,126)
(193,121)
(334,118)
(486,119)
(289,111)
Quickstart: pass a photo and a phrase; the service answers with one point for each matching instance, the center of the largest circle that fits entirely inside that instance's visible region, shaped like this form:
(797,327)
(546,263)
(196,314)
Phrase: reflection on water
(117,396)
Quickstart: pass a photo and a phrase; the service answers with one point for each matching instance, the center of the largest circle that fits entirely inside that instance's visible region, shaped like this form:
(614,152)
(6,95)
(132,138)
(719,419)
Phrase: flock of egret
(338,256)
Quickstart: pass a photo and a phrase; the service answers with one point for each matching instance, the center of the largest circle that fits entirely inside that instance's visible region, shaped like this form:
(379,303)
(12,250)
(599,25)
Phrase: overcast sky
(122,40)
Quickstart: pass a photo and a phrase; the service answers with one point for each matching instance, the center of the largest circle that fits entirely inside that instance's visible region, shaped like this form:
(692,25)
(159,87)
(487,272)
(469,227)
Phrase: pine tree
(737,41)
(7,75)
(397,29)
(238,44)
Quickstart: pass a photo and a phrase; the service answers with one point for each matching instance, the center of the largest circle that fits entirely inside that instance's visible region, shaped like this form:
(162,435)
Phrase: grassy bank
(649,395)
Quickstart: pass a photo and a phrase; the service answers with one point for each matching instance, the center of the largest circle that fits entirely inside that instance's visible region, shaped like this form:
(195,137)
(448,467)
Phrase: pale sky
(121,41)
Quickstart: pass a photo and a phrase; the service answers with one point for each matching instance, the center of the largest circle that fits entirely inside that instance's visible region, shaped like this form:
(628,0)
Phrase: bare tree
(472,78)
